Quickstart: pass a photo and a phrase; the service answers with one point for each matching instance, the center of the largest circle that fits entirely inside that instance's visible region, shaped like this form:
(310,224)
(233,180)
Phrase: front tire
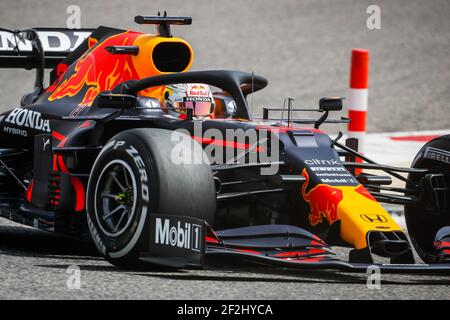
(134,176)
(423,223)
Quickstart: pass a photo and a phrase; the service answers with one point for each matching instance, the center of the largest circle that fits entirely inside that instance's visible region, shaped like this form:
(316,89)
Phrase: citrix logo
(319,161)
(186,237)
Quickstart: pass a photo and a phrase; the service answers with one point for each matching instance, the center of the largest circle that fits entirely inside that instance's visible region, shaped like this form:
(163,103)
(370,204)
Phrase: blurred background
(302,46)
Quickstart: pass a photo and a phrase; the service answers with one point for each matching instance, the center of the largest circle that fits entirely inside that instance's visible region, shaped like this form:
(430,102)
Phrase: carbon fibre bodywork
(288,218)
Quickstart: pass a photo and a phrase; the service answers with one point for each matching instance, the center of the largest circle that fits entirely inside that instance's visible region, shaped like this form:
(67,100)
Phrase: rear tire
(132,177)
(422,225)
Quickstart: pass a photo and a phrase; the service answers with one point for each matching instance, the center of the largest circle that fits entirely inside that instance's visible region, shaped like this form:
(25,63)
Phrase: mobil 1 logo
(177,237)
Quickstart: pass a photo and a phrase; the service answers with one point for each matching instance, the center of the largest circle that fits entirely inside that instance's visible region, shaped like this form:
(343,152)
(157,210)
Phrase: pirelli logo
(437,154)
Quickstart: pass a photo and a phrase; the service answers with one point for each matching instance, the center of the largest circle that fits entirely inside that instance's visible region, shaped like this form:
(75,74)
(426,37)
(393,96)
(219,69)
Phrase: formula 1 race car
(159,165)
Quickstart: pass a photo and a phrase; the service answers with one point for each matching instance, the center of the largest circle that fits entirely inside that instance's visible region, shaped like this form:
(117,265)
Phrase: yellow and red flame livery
(349,205)
(98,70)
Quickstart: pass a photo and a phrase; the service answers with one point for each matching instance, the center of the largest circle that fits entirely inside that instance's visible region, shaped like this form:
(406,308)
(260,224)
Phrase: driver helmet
(179,98)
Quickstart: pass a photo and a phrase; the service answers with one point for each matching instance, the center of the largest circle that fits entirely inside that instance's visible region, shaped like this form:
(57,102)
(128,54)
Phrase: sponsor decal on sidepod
(28,119)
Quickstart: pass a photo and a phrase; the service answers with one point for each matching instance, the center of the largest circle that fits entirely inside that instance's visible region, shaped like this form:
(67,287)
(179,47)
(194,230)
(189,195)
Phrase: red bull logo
(198,90)
(97,70)
(356,209)
(323,200)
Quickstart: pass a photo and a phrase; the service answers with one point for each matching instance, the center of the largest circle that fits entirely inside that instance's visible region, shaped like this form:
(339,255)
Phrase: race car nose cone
(390,248)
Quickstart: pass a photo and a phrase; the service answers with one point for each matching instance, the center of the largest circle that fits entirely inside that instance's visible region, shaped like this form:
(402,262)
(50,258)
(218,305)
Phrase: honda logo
(374,218)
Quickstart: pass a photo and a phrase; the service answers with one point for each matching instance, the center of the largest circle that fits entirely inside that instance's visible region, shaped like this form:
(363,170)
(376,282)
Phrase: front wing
(294,248)
(183,242)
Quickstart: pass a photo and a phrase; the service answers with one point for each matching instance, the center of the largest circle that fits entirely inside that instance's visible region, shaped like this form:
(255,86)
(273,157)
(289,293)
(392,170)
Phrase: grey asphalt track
(303,47)
(34,265)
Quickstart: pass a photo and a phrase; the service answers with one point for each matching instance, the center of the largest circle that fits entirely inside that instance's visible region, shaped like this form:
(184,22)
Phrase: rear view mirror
(115,101)
(330,104)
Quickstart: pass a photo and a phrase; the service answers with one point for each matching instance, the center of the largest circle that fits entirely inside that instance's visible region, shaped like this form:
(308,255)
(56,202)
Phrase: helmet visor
(199,108)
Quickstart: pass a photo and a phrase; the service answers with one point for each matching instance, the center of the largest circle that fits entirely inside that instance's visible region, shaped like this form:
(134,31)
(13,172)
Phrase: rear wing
(57,44)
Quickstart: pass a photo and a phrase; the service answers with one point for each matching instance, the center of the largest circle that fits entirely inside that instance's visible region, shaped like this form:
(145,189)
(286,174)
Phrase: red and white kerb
(357,101)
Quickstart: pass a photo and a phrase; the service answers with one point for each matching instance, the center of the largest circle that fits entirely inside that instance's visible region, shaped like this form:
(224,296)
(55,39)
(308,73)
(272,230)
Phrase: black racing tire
(421,223)
(134,171)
